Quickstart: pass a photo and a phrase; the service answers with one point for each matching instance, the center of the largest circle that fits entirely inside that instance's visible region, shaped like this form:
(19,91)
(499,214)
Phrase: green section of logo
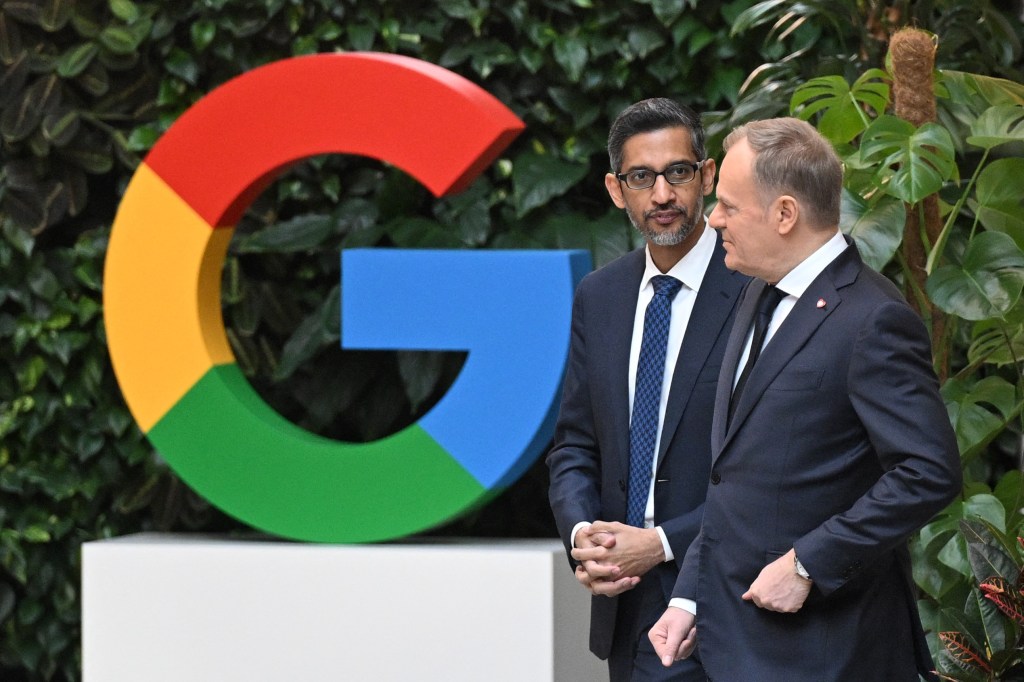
(237,452)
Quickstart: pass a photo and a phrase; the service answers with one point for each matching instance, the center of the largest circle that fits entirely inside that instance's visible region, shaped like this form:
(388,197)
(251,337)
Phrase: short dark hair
(647,115)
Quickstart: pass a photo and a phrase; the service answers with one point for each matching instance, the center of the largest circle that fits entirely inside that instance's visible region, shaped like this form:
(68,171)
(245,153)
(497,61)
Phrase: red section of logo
(228,149)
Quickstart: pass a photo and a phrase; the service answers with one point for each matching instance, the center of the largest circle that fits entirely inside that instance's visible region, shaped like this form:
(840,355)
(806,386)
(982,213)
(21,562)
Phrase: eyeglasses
(676,174)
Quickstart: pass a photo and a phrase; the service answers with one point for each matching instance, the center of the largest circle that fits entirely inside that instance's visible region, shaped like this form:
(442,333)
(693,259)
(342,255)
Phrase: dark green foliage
(87,87)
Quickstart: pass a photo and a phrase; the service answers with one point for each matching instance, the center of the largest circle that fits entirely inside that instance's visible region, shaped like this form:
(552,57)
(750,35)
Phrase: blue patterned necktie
(650,372)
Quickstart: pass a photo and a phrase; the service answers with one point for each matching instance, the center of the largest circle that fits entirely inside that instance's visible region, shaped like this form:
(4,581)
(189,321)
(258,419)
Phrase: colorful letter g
(509,310)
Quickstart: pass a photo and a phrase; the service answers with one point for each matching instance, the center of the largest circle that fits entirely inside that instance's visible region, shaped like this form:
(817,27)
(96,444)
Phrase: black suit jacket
(589,461)
(840,447)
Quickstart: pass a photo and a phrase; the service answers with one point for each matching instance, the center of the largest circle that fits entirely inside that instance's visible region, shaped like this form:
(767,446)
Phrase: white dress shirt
(690,271)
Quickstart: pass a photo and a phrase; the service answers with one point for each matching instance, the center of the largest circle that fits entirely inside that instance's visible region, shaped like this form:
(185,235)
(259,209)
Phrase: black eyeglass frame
(696,166)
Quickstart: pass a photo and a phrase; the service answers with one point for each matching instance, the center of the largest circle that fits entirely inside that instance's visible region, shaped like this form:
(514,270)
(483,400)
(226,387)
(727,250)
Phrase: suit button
(715,478)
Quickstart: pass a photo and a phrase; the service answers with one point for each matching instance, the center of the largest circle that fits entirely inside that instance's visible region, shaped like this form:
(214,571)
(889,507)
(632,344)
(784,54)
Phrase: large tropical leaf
(997,342)
(998,125)
(913,162)
(877,229)
(999,202)
(979,411)
(980,89)
(987,283)
(845,111)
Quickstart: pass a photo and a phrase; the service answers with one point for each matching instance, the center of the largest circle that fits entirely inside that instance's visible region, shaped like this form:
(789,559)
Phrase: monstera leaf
(877,228)
(987,283)
(843,106)
(999,204)
(913,162)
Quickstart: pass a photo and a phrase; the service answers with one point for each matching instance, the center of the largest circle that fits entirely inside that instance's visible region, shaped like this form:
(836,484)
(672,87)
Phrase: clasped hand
(613,556)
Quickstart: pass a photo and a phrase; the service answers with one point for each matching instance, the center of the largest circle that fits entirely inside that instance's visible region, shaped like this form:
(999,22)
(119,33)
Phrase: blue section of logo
(511,310)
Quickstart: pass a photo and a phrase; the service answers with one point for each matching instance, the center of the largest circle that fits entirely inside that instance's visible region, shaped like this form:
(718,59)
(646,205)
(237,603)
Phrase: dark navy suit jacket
(840,447)
(589,461)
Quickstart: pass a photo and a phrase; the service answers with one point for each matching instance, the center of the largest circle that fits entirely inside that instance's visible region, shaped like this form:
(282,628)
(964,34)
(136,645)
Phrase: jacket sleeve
(574,459)
(895,394)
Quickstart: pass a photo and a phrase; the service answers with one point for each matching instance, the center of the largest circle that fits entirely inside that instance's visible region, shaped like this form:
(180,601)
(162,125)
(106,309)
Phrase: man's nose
(715,218)
(663,191)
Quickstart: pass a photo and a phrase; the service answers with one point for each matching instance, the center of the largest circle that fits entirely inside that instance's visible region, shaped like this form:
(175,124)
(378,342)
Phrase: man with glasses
(630,461)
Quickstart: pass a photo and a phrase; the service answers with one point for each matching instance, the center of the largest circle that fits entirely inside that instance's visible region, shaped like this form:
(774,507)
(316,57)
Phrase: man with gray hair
(830,444)
(630,460)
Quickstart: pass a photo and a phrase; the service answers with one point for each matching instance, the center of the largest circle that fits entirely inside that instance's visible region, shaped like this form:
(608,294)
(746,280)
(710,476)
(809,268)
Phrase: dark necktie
(766,304)
(650,371)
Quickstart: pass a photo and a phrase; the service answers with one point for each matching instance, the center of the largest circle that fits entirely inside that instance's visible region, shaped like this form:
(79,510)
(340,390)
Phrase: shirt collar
(795,283)
(690,268)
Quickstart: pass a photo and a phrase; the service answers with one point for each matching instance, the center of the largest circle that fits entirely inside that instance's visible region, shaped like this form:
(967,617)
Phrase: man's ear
(786,212)
(707,176)
(611,183)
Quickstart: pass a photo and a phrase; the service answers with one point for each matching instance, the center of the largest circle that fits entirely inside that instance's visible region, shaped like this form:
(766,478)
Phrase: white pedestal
(174,608)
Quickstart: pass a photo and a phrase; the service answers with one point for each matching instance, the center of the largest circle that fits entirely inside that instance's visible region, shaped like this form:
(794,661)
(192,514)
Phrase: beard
(678,236)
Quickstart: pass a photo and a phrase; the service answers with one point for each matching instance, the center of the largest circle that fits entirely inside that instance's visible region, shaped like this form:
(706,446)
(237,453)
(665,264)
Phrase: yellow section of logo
(162,297)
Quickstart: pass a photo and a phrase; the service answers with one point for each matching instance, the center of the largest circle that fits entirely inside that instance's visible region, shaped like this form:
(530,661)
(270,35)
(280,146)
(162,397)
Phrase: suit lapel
(730,360)
(622,304)
(711,310)
(798,327)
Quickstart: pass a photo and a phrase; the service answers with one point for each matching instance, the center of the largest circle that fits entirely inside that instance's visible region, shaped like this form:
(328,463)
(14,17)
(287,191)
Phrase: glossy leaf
(982,89)
(1005,595)
(971,412)
(75,60)
(987,283)
(125,10)
(55,14)
(998,125)
(914,162)
(994,625)
(999,203)
(964,653)
(319,329)
(538,178)
(303,233)
(571,54)
(422,233)
(877,229)
(987,555)
(996,343)
(845,111)
(119,40)
(60,128)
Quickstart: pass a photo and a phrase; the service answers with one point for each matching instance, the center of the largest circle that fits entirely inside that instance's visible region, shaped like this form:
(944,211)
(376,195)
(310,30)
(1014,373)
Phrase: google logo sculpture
(509,309)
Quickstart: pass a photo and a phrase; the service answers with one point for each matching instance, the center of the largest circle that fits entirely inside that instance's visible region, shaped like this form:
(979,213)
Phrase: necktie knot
(770,297)
(664,285)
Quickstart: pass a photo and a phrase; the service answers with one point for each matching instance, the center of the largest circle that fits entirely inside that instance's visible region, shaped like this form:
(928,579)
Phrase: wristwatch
(799,567)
